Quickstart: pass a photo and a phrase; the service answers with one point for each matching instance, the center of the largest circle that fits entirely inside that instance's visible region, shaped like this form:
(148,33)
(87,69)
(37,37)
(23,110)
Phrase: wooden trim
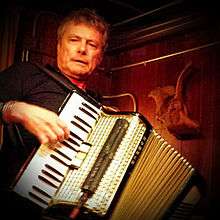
(134,38)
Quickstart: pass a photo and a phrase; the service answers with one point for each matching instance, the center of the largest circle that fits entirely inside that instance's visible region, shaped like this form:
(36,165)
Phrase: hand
(44,124)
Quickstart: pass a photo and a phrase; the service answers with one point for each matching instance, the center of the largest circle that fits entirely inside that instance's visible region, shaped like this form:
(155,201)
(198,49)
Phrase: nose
(82,46)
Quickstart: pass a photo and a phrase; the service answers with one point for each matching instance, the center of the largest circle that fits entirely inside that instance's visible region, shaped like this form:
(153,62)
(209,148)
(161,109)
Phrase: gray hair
(88,17)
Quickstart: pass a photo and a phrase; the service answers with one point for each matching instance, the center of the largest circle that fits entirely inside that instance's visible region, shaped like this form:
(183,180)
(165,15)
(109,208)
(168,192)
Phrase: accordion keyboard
(56,174)
(44,174)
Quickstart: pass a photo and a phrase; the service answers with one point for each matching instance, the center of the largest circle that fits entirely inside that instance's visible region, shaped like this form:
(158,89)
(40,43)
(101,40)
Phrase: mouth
(81,61)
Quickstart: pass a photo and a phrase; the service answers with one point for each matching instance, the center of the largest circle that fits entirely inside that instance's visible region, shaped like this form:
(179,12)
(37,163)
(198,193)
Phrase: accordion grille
(157,179)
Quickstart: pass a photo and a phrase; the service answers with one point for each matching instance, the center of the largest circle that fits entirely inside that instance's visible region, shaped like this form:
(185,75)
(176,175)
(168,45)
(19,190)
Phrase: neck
(79,83)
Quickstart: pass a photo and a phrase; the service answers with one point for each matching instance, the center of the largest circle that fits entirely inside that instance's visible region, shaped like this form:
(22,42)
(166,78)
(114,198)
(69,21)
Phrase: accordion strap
(68,84)
(57,76)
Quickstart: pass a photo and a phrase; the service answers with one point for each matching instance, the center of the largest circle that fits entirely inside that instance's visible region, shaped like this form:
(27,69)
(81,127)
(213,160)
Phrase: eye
(73,39)
(93,44)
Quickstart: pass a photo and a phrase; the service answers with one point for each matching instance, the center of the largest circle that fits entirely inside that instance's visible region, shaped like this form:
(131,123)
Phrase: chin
(78,72)
(80,76)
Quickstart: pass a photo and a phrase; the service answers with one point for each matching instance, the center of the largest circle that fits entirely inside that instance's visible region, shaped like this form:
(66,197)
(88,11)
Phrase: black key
(82,121)
(50,175)
(54,170)
(86,112)
(35,188)
(69,146)
(90,108)
(79,126)
(46,181)
(62,154)
(59,160)
(75,136)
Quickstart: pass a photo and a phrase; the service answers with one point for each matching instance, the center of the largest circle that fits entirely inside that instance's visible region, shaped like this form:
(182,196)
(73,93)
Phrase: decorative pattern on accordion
(56,174)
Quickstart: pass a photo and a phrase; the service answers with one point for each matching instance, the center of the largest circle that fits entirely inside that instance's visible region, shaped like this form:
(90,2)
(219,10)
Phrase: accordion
(113,166)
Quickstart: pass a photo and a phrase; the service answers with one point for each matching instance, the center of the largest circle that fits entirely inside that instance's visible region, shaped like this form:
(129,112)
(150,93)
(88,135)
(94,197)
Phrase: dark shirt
(24,82)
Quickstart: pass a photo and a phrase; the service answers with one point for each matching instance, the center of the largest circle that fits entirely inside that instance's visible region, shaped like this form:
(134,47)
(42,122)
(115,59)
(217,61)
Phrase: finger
(64,128)
(49,133)
(59,133)
(66,132)
(43,139)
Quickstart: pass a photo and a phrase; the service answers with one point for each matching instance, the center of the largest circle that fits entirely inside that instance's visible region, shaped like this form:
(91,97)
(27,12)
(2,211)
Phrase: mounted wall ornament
(171,110)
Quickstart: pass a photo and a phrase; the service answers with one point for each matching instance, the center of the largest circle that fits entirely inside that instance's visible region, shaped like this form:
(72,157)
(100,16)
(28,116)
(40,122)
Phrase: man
(30,98)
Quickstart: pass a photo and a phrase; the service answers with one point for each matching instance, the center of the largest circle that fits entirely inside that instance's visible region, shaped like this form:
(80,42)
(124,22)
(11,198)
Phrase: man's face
(79,50)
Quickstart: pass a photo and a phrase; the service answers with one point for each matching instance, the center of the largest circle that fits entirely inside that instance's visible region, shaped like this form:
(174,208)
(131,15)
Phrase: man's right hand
(44,124)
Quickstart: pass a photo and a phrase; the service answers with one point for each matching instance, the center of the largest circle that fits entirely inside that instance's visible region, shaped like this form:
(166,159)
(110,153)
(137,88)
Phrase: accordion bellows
(162,185)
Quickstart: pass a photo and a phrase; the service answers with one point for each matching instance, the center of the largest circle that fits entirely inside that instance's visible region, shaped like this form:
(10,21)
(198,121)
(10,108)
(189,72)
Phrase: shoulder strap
(67,83)
(57,76)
